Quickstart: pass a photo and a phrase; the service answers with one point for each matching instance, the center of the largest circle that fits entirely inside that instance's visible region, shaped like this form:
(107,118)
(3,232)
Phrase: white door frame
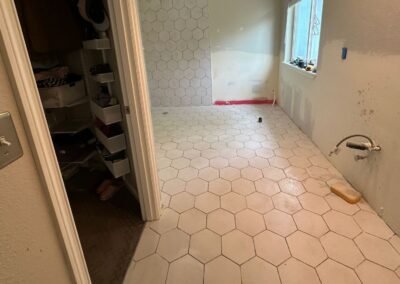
(125,19)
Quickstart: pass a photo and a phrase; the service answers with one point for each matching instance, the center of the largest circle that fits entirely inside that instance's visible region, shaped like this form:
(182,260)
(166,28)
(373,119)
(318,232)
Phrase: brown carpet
(109,231)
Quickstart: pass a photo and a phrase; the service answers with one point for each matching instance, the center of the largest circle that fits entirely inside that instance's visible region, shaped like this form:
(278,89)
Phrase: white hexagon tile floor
(248,202)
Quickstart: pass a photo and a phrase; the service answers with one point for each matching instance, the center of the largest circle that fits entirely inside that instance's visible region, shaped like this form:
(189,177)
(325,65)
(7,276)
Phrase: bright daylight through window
(303,32)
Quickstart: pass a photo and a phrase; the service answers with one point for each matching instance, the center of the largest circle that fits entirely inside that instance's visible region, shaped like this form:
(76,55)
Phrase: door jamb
(129,52)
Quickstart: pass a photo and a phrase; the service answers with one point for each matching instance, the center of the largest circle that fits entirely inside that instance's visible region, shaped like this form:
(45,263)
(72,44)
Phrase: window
(303,31)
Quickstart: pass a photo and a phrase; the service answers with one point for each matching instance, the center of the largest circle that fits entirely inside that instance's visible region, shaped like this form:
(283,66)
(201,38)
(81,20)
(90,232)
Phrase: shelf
(70,127)
(104,78)
(97,44)
(113,144)
(67,95)
(118,168)
(74,153)
(108,115)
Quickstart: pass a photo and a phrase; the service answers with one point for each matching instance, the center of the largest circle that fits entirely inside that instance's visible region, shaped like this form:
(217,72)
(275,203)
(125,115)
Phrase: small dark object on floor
(165,112)
(260,120)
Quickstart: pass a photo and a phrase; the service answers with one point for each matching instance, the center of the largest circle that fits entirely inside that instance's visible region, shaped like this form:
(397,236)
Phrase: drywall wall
(31,250)
(245,42)
(358,95)
(177,51)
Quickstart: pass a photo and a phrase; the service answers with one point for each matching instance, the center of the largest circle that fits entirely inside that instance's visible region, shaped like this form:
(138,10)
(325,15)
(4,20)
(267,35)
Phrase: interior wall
(30,245)
(177,51)
(245,44)
(357,95)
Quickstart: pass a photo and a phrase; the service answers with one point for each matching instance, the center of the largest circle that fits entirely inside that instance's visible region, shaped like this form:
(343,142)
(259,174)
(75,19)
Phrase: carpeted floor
(109,231)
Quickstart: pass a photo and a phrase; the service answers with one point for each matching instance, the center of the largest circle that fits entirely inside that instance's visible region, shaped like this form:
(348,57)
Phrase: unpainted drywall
(358,95)
(31,250)
(245,42)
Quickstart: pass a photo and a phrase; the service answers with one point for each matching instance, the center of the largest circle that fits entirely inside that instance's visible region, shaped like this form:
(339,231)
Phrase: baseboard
(244,102)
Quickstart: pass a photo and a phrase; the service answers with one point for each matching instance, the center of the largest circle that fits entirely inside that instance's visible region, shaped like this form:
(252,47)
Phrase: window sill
(303,72)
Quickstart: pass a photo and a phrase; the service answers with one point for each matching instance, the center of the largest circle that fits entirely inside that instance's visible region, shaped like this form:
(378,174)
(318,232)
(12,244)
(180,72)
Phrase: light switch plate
(10,148)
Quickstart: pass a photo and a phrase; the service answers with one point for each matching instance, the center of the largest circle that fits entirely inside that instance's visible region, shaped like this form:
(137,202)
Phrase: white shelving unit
(110,114)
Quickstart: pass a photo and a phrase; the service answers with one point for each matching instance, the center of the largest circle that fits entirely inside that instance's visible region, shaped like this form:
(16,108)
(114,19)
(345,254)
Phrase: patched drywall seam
(177,51)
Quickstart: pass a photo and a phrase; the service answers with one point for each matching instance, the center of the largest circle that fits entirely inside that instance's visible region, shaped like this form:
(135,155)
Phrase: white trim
(18,66)
(303,72)
(125,23)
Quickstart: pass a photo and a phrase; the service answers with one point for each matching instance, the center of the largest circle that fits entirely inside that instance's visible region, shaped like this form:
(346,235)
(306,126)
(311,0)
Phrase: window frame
(290,37)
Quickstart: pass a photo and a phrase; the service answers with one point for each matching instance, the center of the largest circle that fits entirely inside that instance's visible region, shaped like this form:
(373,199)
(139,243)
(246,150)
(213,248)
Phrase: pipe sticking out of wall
(369,146)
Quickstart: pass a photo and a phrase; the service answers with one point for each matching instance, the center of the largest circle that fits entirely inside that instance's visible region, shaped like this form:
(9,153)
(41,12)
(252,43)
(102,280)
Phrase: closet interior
(70,44)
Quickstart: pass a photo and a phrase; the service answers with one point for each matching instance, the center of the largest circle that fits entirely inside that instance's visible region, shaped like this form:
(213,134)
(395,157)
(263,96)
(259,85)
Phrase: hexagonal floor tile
(294,272)
(251,173)
(147,244)
(314,203)
(273,173)
(143,272)
(192,221)
(233,202)
(306,248)
(340,205)
(199,163)
(316,186)
(342,249)
(185,270)
(173,245)
(300,162)
(237,246)
(238,162)
(220,187)
(168,221)
(250,222)
(331,272)
(371,273)
(174,186)
(373,224)
(342,224)
(197,186)
(280,223)
(267,186)
(378,251)
(209,174)
(243,186)
(296,173)
(259,202)
(222,271)
(229,173)
(219,163)
(182,201)
(205,246)
(271,247)
(188,173)
(207,202)
(167,174)
(220,221)
(286,203)
(259,163)
(257,270)
(279,162)
(310,223)
(291,186)
(180,163)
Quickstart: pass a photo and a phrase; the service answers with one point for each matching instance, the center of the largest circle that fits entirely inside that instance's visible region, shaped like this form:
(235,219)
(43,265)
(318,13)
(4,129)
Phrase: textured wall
(31,250)
(245,44)
(177,51)
(358,95)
